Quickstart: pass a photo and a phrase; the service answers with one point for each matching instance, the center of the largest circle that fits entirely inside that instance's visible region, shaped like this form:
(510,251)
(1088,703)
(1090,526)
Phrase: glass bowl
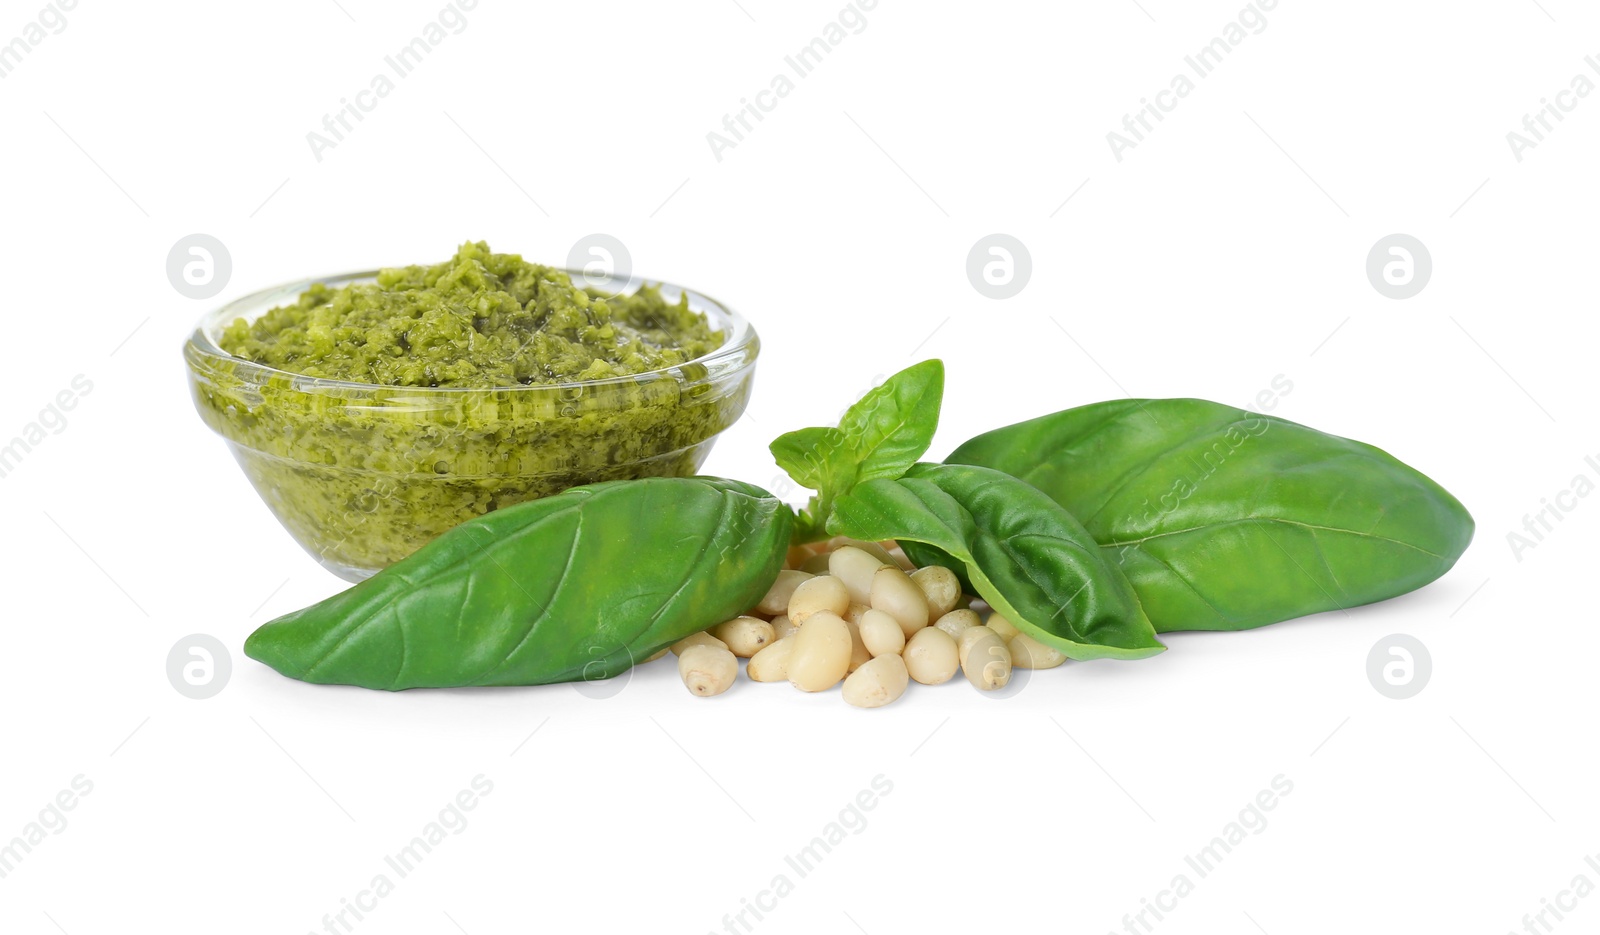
(362,475)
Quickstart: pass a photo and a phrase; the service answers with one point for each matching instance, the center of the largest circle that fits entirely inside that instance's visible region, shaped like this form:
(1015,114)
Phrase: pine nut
(871,548)
(1002,626)
(697,639)
(823,592)
(1029,653)
(965,638)
(855,568)
(707,670)
(881,633)
(821,654)
(940,586)
(777,598)
(985,659)
(931,656)
(876,683)
(744,636)
(771,664)
(894,593)
(957,621)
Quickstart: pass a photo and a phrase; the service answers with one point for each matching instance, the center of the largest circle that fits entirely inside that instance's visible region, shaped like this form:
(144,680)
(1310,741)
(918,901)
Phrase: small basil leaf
(806,455)
(892,426)
(1020,551)
(881,435)
(1224,519)
(580,585)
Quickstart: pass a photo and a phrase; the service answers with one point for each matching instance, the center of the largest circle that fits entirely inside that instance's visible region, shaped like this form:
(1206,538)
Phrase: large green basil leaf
(575,586)
(882,435)
(1224,519)
(1022,552)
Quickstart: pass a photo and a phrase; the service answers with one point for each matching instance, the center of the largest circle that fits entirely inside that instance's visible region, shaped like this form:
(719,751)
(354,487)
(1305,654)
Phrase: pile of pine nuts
(860,613)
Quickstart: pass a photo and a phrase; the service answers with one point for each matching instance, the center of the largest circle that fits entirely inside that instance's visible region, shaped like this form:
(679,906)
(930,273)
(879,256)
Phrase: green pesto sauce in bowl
(374,412)
(479,320)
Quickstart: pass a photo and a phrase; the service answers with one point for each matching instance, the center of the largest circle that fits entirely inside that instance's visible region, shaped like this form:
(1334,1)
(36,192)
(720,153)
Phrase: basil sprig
(1020,551)
(881,436)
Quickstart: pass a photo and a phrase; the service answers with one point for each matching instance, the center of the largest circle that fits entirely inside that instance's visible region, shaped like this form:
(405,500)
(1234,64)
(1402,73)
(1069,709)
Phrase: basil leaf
(882,435)
(579,585)
(1224,519)
(892,426)
(807,455)
(1022,553)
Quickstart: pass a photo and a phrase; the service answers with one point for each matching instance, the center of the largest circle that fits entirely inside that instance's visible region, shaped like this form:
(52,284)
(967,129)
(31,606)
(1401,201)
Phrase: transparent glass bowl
(363,475)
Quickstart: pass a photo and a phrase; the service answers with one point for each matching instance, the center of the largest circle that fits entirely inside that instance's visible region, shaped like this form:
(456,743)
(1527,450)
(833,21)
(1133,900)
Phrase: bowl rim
(741,344)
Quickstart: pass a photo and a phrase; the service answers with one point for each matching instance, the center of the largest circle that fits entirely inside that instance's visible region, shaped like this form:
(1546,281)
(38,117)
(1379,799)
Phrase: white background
(1225,250)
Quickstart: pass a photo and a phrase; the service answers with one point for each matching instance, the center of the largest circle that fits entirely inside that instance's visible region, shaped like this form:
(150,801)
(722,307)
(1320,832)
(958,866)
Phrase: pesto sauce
(363,477)
(479,320)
